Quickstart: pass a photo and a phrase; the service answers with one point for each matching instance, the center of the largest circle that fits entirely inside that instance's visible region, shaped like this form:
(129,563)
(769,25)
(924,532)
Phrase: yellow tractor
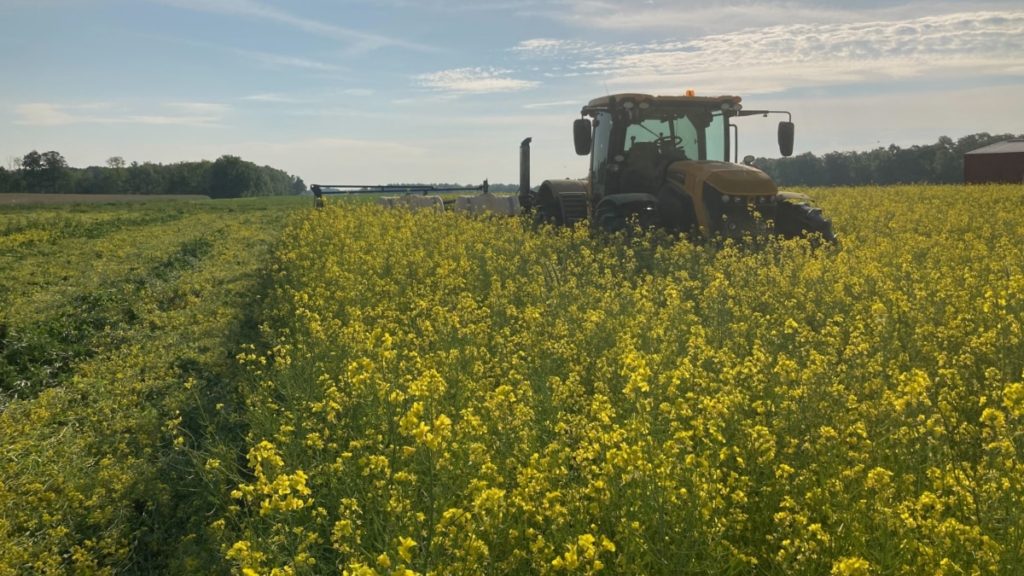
(663,161)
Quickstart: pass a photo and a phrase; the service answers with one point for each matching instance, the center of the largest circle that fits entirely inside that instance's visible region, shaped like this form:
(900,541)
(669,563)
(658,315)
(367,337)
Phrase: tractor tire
(801,220)
(543,215)
(609,219)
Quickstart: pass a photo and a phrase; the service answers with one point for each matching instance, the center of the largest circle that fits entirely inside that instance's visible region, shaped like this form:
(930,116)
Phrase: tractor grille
(732,217)
(574,207)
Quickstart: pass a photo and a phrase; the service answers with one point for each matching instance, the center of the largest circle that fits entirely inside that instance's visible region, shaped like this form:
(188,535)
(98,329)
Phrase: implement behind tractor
(426,196)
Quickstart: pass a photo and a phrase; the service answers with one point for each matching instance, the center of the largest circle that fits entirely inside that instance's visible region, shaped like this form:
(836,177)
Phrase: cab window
(679,133)
(716,138)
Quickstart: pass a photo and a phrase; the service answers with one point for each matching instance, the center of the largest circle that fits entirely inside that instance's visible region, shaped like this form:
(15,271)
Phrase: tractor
(663,162)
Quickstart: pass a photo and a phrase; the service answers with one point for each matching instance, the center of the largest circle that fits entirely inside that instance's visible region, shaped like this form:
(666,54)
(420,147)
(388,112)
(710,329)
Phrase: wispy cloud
(558,104)
(181,114)
(474,81)
(284,61)
(272,98)
(651,15)
(210,109)
(357,40)
(781,57)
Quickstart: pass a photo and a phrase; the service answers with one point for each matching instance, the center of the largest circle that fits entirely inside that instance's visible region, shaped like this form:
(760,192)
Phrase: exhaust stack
(524,175)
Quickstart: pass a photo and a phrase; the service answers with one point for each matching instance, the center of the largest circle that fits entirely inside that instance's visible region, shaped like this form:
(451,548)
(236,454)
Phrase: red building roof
(1014,146)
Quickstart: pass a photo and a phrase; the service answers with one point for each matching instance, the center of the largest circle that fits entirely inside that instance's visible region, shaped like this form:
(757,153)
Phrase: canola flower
(467,396)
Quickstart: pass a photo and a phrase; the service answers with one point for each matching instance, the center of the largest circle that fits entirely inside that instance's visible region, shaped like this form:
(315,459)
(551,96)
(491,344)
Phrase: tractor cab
(632,138)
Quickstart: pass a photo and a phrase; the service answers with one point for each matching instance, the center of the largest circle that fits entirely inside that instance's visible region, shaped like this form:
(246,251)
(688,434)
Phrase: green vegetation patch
(127,347)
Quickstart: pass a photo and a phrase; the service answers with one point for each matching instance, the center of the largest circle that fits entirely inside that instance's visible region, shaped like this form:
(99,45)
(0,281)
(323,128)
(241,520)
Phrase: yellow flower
(405,546)
(851,566)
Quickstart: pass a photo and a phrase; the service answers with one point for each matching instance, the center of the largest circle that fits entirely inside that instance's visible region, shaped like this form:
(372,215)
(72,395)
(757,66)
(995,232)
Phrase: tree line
(938,163)
(227,177)
(232,177)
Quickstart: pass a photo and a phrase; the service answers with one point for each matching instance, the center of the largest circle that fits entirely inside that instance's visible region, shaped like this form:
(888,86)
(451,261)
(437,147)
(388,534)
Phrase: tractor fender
(794,197)
(551,189)
(562,202)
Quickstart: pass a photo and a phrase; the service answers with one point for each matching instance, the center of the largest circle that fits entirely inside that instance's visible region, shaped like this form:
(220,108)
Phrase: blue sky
(361,91)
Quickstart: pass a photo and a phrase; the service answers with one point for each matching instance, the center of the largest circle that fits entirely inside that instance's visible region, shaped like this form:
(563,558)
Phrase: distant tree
(837,167)
(228,177)
(92,180)
(231,177)
(941,162)
(187,178)
(947,166)
(53,160)
(54,170)
(145,178)
(32,161)
(113,177)
(32,171)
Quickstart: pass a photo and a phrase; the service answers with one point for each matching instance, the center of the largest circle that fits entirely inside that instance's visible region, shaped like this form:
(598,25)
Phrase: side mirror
(581,135)
(786,138)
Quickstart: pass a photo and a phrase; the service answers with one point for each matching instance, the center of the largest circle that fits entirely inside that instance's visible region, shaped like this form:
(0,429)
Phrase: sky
(379,91)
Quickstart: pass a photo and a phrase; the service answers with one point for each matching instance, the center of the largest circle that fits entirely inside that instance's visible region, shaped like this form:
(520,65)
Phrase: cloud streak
(196,114)
(474,81)
(357,40)
(649,15)
(282,61)
(782,57)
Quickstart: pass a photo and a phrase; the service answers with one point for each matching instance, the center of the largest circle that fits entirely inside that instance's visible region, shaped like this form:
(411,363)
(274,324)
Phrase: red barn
(999,162)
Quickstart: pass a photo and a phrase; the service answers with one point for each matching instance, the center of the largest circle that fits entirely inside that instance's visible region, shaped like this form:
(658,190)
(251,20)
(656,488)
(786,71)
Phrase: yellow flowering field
(435,394)
(256,387)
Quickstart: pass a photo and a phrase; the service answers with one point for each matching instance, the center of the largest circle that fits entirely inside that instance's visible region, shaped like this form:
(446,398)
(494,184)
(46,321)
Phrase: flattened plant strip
(98,473)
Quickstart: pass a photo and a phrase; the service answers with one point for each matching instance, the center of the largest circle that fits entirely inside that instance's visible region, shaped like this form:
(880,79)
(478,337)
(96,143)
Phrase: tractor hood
(726,177)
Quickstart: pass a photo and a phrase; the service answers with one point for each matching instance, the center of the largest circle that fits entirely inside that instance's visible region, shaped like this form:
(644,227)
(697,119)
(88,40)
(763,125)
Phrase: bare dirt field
(11,199)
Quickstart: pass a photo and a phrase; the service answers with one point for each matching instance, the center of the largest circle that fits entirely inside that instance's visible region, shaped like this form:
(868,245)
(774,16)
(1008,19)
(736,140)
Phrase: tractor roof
(605,102)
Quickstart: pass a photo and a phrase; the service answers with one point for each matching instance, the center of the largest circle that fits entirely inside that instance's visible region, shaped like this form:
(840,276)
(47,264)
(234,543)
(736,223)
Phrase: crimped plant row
(98,465)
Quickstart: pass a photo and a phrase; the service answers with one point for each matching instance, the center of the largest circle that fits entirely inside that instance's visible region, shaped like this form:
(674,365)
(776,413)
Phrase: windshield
(695,133)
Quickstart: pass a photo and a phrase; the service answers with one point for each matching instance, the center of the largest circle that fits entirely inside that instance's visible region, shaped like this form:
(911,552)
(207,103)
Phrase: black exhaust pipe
(525,197)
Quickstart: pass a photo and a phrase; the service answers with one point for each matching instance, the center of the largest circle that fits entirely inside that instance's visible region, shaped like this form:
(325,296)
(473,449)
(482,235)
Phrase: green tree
(145,178)
(230,177)
(187,178)
(32,171)
(55,170)
(837,167)
(947,165)
(32,161)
